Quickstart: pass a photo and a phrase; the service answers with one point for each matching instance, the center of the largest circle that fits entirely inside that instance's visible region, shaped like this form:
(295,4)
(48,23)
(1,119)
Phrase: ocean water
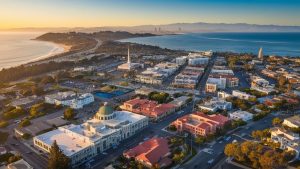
(280,44)
(18,48)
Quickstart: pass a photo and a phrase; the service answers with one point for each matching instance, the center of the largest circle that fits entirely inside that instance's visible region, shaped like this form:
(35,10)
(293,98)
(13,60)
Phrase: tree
(3,124)
(69,114)
(281,81)
(47,79)
(37,90)
(199,140)
(14,158)
(24,123)
(57,160)
(276,121)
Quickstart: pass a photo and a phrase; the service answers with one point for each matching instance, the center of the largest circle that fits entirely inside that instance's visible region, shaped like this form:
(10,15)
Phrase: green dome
(105,110)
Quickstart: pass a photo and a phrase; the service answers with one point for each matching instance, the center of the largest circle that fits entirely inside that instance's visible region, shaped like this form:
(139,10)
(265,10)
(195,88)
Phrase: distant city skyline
(98,13)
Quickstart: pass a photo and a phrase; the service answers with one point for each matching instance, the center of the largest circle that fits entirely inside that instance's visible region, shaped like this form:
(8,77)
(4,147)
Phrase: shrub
(3,124)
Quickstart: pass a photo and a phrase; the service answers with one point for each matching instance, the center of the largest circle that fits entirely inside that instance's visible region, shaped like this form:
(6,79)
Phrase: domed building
(105,130)
(105,113)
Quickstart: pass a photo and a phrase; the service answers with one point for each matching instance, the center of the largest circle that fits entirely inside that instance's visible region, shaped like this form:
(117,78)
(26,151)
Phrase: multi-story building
(72,99)
(293,122)
(211,87)
(215,104)
(242,95)
(157,74)
(261,85)
(288,140)
(200,124)
(220,78)
(189,77)
(196,59)
(269,73)
(153,152)
(181,60)
(223,95)
(148,108)
(83,142)
(241,115)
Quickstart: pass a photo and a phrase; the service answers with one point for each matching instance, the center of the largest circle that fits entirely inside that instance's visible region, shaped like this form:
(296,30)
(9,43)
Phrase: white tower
(128,60)
(260,54)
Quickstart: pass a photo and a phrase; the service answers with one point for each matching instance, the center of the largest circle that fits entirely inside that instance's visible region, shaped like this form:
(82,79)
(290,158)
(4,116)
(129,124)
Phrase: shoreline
(58,48)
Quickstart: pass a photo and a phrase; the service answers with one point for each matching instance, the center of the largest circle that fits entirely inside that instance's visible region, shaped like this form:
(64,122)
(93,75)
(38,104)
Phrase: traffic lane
(33,159)
(202,158)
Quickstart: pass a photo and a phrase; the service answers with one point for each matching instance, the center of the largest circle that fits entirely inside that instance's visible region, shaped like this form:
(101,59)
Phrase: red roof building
(200,124)
(153,152)
(148,108)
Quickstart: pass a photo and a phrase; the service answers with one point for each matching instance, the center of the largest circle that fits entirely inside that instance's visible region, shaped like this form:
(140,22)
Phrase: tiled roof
(153,151)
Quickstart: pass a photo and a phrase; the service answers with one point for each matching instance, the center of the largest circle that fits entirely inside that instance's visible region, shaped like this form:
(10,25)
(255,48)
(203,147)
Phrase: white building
(288,140)
(242,95)
(241,115)
(181,60)
(195,59)
(220,82)
(261,85)
(158,73)
(293,122)
(216,104)
(70,98)
(189,77)
(83,142)
(260,54)
(223,95)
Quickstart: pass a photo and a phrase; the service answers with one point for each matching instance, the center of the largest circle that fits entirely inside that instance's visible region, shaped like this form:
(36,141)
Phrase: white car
(210,161)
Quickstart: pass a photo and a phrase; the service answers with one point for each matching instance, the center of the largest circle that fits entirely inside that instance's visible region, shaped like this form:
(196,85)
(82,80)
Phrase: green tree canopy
(69,114)
(57,159)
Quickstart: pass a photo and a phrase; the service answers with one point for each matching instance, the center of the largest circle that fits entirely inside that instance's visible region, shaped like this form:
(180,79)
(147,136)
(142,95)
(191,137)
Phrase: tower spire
(128,59)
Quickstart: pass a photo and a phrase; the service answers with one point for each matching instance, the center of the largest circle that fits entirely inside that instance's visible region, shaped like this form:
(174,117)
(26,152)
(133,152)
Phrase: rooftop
(294,119)
(72,138)
(152,151)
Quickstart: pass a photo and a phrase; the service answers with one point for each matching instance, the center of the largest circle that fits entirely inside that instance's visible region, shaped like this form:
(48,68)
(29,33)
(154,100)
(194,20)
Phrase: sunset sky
(94,13)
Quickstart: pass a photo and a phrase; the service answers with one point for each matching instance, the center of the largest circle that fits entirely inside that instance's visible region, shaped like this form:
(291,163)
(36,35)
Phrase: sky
(97,13)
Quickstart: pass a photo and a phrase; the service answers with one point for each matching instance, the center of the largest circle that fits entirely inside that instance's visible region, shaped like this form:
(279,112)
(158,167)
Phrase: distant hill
(176,28)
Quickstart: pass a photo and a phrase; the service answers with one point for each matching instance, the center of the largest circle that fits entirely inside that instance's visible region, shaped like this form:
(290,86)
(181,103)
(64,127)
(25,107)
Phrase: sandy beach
(57,48)
(19,48)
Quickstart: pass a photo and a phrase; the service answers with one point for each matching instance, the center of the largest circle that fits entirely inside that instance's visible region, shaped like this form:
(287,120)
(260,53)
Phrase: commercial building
(83,142)
(153,152)
(148,108)
(157,74)
(72,99)
(220,78)
(223,95)
(242,95)
(288,140)
(181,60)
(211,87)
(189,77)
(180,101)
(241,115)
(196,59)
(293,122)
(215,104)
(200,124)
